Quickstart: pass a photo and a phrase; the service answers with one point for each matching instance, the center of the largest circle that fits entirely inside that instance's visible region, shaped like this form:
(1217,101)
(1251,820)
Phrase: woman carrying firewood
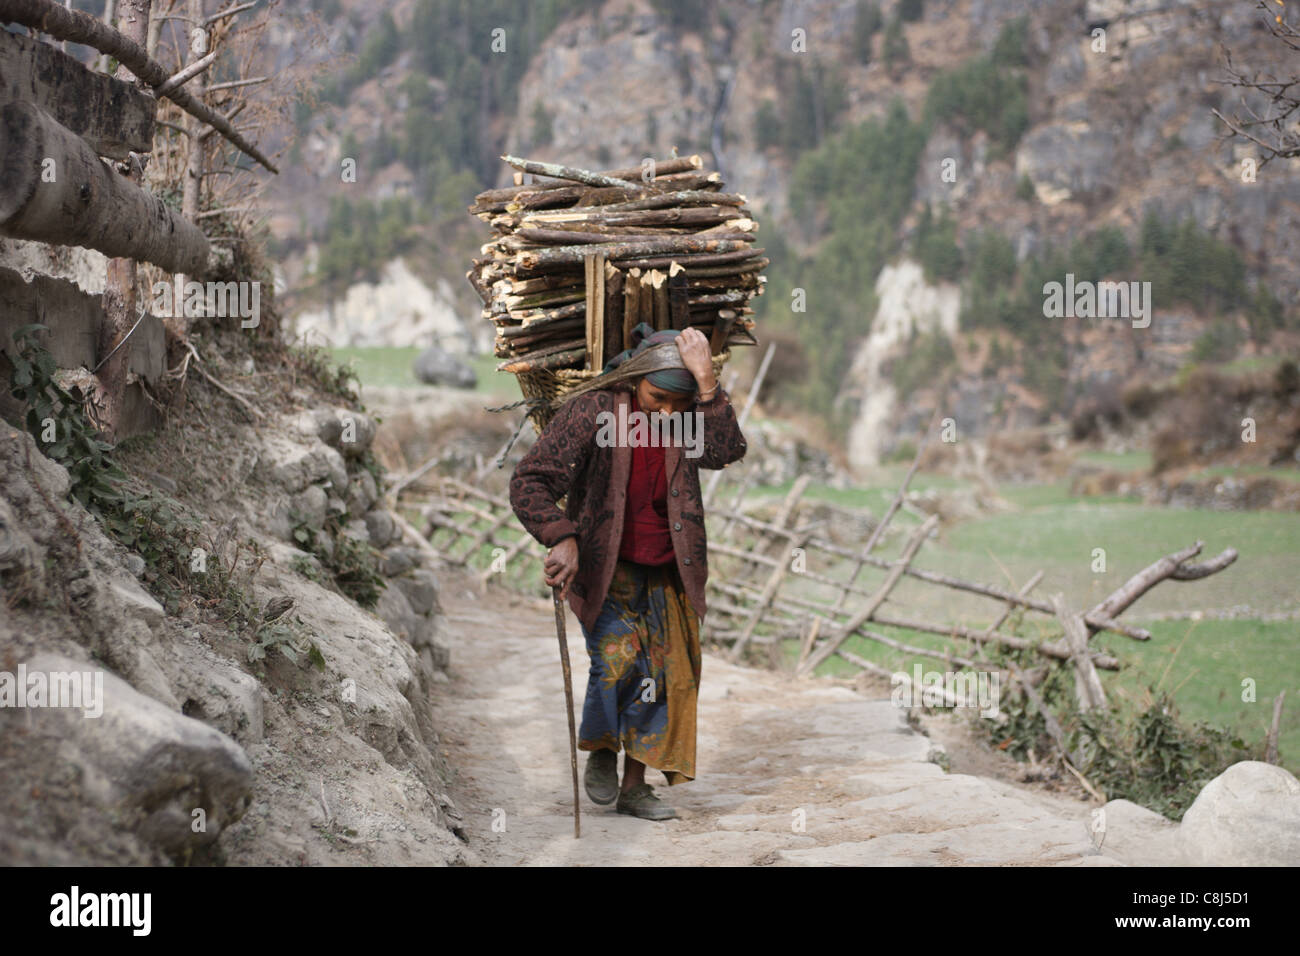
(628,551)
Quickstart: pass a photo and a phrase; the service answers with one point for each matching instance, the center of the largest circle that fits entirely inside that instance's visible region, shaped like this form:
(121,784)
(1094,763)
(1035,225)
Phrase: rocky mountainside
(1039,124)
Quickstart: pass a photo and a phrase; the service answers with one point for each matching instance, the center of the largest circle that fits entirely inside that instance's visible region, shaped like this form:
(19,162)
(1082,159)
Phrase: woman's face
(652,398)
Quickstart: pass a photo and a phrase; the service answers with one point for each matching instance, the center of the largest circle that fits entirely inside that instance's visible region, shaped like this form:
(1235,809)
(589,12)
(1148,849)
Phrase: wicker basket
(550,384)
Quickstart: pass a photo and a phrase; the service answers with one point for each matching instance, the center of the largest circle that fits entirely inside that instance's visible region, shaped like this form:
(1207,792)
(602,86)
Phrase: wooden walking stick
(568,700)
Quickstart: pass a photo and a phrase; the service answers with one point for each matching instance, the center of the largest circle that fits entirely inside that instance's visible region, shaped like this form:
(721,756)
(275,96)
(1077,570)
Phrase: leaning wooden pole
(894,505)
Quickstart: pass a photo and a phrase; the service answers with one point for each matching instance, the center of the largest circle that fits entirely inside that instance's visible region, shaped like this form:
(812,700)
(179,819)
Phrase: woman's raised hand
(694,348)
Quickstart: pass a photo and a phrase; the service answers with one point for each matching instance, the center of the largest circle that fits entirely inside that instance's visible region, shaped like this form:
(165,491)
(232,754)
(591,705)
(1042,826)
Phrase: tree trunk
(89,204)
(192,184)
(119,285)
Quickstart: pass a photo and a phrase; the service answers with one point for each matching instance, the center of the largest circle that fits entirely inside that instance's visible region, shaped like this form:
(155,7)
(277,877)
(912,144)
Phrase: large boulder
(1249,815)
(435,366)
(173,780)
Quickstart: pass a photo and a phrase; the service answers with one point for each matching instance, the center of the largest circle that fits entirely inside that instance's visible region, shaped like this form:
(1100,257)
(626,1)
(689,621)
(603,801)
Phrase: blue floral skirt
(645,671)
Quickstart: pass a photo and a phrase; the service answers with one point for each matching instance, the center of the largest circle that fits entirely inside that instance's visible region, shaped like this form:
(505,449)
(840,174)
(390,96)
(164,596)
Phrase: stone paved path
(770,751)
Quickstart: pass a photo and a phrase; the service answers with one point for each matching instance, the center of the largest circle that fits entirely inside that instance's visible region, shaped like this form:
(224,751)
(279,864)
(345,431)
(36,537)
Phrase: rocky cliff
(1103,119)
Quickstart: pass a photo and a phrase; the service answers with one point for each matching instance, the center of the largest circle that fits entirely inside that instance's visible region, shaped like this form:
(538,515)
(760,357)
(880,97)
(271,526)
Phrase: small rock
(421,589)
(362,492)
(136,602)
(309,507)
(395,610)
(382,528)
(356,530)
(399,559)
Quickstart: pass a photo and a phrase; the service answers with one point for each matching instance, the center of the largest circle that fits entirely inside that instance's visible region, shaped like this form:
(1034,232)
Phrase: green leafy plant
(1141,752)
(289,639)
(353,565)
(56,419)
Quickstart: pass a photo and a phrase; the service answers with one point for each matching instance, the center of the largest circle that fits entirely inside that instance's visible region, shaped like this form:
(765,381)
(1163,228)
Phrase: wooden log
(1169,566)
(573,237)
(661,317)
(1270,737)
(1054,649)
(894,504)
(684,197)
(549,283)
(765,599)
(614,279)
(531,317)
(988,590)
(540,328)
(864,614)
(726,318)
(678,293)
(806,645)
(663,167)
(78,27)
(694,216)
(692,262)
(538,300)
(121,273)
(556,171)
(1087,685)
(596,313)
(113,117)
(631,305)
(587,197)
(551,360)
(612,232)
(88,204)
(541,259)
(723,277)
(707,300)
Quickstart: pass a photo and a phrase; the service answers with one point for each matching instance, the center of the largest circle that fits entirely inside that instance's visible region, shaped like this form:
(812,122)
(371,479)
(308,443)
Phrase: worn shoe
(601,776)
(641,801)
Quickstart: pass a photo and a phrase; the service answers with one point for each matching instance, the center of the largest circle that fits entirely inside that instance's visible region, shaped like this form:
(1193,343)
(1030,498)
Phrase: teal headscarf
(644,337)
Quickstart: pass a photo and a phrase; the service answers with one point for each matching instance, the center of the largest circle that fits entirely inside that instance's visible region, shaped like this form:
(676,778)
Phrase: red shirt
(646,538)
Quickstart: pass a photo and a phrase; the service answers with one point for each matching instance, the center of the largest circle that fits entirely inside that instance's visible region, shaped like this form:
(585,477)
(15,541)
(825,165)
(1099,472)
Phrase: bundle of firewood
(580,258)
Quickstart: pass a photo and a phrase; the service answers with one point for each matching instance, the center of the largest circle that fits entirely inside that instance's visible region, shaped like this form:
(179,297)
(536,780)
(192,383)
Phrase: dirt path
(771,751)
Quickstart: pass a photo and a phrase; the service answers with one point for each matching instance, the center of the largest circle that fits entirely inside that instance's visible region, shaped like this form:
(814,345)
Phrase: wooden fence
(777,580)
